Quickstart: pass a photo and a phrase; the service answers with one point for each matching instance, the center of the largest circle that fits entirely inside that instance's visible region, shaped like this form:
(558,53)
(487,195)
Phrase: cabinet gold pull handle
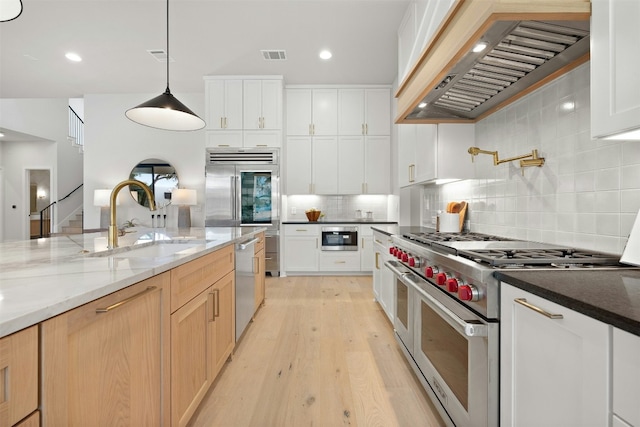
(377,257)
(341,262)
(211,300)
(216,307)
(255,268)
(223,145)
(523,301)
(124,301)
(362,240)
(301,229)
(310,131)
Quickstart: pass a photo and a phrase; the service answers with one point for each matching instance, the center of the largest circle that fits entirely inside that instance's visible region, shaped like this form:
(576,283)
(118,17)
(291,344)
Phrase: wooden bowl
(313,216)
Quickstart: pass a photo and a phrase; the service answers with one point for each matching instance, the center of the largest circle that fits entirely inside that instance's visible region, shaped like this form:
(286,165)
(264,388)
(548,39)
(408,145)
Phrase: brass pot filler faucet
(526,160)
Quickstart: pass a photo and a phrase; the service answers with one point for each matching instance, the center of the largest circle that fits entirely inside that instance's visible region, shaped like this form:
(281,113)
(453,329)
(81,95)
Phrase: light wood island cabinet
(145,355)
(202,328)
(19,377)
(259,270)
(104,363)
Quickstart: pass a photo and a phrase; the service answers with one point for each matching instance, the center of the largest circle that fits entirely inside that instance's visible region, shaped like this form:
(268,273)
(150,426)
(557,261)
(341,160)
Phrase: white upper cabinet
(364,165)
(364,111)
(298,165)
(223,104)
(312,111)
(262,104)
(324,165)
(615,88)
(420,22)
(428,153)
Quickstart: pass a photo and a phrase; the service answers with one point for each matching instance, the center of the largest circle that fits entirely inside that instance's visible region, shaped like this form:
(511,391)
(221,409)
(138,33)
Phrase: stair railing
(76,129)
(46,214)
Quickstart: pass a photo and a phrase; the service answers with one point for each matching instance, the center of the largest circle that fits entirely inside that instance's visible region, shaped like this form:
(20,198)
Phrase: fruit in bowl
(313,214)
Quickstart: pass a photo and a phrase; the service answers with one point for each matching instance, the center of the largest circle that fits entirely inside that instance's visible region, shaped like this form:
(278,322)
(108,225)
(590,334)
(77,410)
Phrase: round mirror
(161,178)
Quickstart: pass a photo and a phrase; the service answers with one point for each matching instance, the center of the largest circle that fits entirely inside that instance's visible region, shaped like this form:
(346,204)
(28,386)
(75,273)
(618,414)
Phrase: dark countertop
(610,296)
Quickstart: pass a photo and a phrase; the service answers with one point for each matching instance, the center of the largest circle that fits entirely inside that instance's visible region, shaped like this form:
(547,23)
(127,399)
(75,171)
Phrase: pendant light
(10,9)
(165,111)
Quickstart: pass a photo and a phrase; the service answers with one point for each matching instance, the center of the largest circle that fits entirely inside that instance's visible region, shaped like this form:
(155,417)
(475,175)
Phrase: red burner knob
(399,254)
(468,293)
(441,279)
(429,272)
(392,250)
(405,257)
(412,262)
(452,285)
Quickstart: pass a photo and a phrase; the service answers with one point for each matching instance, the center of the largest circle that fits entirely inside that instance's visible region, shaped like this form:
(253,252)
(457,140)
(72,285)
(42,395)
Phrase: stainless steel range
(448,306)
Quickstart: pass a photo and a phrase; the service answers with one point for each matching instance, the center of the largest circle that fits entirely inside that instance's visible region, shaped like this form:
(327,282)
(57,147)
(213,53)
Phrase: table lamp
(183,198)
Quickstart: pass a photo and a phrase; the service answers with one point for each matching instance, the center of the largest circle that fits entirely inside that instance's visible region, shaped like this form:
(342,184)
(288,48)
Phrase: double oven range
(448,312)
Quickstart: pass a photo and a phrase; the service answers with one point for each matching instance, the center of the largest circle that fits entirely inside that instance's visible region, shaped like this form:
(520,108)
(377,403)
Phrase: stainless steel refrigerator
(243,189)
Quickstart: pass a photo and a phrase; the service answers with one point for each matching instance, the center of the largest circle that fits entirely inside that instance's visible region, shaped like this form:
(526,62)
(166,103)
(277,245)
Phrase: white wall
(47,119)
(115,144)
(586,195)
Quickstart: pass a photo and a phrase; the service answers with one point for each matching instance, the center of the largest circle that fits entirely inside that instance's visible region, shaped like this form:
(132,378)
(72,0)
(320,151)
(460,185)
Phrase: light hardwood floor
(320,352)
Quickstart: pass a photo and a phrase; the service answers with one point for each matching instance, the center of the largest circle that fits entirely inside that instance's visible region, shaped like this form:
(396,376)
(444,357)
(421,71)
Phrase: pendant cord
(168,46)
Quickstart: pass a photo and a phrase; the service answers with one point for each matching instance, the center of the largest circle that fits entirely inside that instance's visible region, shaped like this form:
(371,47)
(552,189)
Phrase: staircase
(74,226)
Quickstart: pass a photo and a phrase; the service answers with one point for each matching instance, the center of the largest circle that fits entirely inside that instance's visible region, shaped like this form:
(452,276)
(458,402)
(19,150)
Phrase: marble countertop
(610,296)
(42,278)
(343,221)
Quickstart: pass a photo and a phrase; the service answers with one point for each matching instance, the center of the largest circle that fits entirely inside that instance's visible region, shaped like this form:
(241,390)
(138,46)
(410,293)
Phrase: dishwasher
(245,284)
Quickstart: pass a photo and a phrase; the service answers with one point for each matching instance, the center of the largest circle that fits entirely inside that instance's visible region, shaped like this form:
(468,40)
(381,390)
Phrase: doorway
(39,198)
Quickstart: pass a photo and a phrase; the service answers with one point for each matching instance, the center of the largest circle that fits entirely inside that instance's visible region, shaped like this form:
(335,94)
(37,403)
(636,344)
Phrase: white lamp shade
(101,197)
(184,197)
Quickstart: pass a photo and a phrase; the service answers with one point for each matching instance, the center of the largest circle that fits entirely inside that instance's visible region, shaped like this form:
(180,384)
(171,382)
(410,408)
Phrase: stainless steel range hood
(527,45)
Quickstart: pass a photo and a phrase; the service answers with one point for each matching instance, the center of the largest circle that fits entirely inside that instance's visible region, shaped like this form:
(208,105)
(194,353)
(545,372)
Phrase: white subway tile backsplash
(586,195)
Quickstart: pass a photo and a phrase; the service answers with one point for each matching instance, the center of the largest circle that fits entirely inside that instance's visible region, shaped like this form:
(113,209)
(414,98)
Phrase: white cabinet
(342,261)
(262,107)
(223,103)
(430,152)
(301,247)
(243,112)
(553,371)
(615,98)
(420,22)
(383,280)
(364,165)
(626,379)
(298,165)
(365,234)
(312,165)
(312,111)
(364,111)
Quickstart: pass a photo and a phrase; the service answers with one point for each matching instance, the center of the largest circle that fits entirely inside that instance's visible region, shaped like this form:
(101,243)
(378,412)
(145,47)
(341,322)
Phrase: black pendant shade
(165,111)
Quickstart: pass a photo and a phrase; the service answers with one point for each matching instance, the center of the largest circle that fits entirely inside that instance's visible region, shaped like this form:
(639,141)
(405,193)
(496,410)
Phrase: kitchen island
(42,278)
(134,335)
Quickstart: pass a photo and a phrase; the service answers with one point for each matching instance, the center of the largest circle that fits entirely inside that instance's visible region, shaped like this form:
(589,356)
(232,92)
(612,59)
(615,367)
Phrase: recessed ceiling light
(73,57)
(568,106)
(325,54)
(422,105)
(480,47)
(1,134)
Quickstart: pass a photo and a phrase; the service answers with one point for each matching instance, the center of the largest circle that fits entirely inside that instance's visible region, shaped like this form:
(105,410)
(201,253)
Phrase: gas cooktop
(501,252)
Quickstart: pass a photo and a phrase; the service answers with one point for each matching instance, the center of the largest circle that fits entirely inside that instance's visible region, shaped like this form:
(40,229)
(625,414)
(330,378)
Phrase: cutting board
(631,253)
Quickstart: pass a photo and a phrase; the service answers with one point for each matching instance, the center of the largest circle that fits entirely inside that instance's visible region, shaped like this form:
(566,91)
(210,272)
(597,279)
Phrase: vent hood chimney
(528,43)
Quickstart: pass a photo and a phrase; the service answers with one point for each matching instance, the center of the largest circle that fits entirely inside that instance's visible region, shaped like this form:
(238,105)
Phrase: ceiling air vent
(160,55)
(274,55)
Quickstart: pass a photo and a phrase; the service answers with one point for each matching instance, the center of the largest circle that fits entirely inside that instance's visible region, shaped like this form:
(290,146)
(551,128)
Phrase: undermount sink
(156,250)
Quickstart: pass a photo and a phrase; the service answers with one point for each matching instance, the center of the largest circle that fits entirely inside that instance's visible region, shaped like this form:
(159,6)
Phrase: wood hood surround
(465,25)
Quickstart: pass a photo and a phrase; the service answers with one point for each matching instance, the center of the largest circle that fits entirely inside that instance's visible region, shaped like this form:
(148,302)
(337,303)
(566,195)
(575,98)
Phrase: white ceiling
(207,37)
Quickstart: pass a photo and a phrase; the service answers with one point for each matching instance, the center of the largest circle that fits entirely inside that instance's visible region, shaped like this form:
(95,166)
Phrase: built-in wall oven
(342,238)
(449,345)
